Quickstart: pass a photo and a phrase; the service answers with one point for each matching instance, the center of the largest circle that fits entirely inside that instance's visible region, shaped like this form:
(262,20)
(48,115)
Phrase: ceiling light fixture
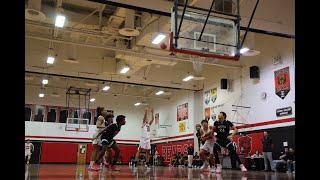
(124,70)
(106,88)
(137,104)
(188,78)
(45,81)
(158,38)
(159,93)
(92,99)
(60,19)
(50,60)
(41,95)
(244,50)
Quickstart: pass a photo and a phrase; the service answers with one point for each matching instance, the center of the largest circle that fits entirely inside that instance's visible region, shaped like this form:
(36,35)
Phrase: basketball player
(223,139)
(207,148)
(107,141)
(100,125)
(107,158)
(29,148)
(144,145)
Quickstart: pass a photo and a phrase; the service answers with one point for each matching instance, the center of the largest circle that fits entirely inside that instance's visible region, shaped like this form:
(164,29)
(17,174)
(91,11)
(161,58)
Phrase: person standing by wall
(267,150)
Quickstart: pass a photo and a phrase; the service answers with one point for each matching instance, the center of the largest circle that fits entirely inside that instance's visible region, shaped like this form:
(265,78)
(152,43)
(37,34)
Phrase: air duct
(129,26)
(33,11)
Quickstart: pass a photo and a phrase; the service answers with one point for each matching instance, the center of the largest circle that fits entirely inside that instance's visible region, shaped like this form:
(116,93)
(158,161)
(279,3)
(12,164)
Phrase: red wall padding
(250,142)
(167,150)
(59,152)
(89,151)
(126,151)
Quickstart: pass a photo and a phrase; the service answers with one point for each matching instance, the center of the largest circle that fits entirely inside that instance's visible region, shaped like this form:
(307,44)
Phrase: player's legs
(116,149)
(216,150)
(95,151)
(234,155)
(204,152)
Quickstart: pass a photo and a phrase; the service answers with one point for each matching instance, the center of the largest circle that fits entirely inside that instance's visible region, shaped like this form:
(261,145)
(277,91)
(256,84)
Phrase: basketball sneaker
(218,169)
(204,167)
(95,167)
(243,169)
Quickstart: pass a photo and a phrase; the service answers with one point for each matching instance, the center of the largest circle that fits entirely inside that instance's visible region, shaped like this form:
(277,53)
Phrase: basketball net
(197,63)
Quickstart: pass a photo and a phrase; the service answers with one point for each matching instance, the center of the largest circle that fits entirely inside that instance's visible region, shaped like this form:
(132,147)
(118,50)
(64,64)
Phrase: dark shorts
(107,142)
(225,143)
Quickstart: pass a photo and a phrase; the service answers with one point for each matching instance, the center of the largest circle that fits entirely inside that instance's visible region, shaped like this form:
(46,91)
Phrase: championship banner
(182,112)
(282,82)
(210,96)
(207,113)
(182,126)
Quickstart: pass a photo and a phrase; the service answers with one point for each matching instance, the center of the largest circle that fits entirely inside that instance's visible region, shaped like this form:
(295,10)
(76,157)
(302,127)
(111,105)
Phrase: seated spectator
(190,156)
(285,160)
(291,161)
(196,161)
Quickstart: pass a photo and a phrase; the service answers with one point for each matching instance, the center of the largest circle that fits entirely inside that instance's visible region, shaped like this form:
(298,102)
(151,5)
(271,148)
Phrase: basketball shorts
(96,141)
(145,143)
(208,146)
(107,142)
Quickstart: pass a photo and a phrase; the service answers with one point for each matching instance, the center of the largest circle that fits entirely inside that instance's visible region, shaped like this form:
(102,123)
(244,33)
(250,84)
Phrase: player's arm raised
(152,119)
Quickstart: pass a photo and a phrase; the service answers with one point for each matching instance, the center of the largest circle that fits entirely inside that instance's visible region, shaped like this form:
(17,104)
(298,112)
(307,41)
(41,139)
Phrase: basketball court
(157,69)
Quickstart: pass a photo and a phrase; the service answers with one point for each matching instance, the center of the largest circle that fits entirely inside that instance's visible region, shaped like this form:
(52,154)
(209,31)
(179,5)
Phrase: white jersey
(100,125)
(146,133)
(28,148)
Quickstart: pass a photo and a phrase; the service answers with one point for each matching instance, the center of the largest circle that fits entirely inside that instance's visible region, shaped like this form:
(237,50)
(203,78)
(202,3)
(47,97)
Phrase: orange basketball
(163,46)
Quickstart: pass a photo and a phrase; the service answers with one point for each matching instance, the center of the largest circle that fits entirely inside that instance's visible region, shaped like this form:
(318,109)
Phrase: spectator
(283,160)
(267,150)
(190,156)
(291,161)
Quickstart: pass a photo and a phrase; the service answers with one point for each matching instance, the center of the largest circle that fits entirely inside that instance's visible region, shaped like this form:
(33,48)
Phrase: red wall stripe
(173,137)
(266,123)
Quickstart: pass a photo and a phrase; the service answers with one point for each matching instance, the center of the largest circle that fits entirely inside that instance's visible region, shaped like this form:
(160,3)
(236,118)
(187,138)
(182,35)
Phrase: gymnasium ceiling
(90,45)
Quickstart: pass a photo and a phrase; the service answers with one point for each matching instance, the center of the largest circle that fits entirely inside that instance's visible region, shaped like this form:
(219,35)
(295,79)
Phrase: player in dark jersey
(107,158)
(107,141)
(223,140)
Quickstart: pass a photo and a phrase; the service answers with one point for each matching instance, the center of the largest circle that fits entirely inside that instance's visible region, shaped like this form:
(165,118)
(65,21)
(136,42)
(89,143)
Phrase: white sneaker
(218,169)
(243,169)
(213,170)
(204,167)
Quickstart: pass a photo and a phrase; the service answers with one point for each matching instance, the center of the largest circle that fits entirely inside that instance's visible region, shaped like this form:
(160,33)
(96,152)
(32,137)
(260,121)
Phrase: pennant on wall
(182,112)
(210,96)
(182,126)
(282,82)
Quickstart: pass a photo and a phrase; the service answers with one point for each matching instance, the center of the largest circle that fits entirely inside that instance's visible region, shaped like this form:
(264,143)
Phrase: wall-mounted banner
(207,113)
(156,118)
(284,111)
(210,96)
(182,112)
(282,82)
(182,126)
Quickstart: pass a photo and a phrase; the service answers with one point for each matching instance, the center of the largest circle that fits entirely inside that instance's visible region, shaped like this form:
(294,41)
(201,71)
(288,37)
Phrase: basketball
(163,46)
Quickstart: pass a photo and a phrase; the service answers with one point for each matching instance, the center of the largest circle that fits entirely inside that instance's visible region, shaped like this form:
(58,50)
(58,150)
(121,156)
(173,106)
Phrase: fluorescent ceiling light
(92,99)
(45,81)
(41,95)
(50,60)
(159,92)
(137,104)
(244,50)
(124,70)
(158,38)
(106,88)
(188,78)
(60,21)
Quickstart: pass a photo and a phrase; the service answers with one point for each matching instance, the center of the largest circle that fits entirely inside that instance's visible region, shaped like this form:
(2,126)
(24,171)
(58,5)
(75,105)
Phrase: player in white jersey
(100,125)
(206,150)
(144,145)
(29,148)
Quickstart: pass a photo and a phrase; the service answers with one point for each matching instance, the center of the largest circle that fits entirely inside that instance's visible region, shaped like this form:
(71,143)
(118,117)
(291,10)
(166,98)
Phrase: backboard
(77,124)
(207,33)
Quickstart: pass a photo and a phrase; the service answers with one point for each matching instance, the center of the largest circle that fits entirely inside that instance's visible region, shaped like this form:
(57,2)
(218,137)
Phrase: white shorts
(145,143)
(208,146)
(98,140)
(27,153)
